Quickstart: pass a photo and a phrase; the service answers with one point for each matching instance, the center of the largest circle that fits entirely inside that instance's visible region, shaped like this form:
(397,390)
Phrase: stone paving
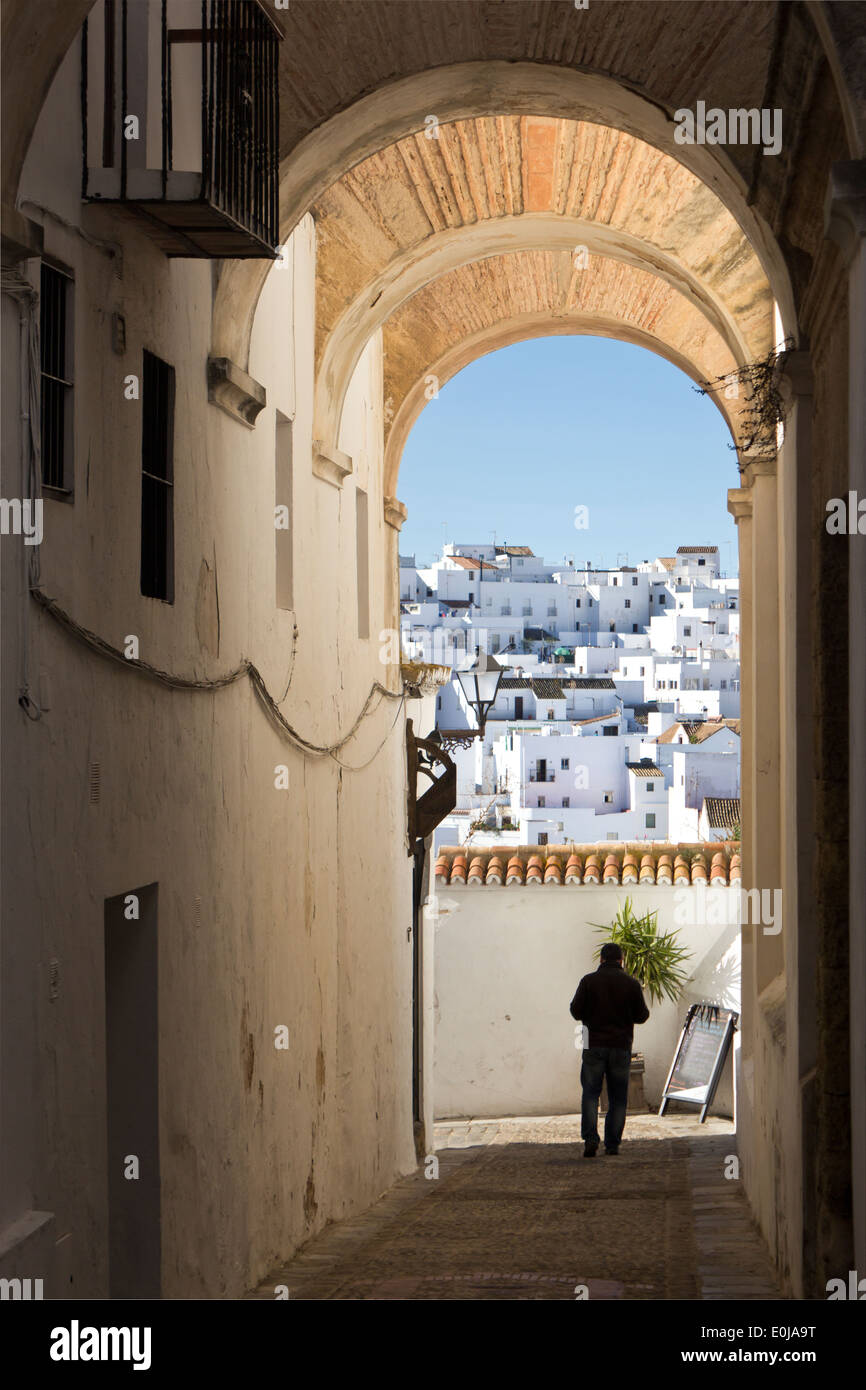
(517,1213)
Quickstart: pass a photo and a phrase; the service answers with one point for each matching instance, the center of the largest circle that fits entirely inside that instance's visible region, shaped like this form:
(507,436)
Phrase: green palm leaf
(653,957)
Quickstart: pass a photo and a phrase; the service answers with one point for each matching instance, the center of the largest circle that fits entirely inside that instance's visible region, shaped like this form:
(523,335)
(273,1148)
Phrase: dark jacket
(610,1003)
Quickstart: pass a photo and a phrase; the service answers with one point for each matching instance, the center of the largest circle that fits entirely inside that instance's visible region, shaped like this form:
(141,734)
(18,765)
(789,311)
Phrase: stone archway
(468,91)
(483,188)
(629,68)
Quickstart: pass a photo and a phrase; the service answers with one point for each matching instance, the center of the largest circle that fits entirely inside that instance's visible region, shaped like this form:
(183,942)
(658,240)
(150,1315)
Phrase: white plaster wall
(508,961)
(274,906)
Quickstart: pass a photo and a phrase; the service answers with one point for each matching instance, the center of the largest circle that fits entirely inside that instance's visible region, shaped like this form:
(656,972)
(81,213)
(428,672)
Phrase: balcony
(541,777)
(181,121)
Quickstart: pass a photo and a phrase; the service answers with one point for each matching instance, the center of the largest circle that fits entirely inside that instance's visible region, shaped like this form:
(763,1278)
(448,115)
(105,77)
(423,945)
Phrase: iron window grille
(55,347)
(182,124)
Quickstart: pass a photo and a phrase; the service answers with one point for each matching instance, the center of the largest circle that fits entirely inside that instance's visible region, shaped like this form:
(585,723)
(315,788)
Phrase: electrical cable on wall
(27,296)
(245,668)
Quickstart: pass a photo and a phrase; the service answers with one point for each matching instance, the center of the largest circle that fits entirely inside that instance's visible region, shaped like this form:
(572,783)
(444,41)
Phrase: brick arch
(440,331)
(465,91)
(423,207)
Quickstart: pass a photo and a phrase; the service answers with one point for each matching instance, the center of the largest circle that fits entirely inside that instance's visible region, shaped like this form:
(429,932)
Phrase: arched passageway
(440,168)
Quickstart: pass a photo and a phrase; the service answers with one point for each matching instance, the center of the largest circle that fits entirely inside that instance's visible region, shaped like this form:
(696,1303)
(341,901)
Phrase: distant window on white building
(563,763)
(687,631)
(634,627)
(634,579)
(723,685)
(542,802)
(650,786)
(650,820)
(702,561)
(607,798)
(550,714)
(542,837)
(628,603)
(661,598)
(642,670)
(566,801)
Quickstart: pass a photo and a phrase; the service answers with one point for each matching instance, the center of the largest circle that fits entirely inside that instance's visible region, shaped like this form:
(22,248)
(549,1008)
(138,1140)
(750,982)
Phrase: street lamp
(480,685)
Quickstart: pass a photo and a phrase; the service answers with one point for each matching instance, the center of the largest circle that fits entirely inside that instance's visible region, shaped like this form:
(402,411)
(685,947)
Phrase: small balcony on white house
(180,106)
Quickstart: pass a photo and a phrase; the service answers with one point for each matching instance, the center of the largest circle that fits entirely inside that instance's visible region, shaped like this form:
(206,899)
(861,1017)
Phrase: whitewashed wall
(275,906)
(507,963)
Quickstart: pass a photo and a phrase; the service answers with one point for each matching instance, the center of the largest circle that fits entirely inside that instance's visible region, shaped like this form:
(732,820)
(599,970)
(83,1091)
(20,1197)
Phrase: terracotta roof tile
(573,865)
(697,550)
(701,730)
(644,769)
(468,562)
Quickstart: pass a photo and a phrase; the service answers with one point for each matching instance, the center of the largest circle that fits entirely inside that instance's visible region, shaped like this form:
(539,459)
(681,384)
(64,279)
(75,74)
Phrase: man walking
(610,1003)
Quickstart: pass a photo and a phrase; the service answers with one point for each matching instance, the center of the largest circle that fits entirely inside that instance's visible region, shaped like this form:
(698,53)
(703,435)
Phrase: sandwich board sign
(700,1056)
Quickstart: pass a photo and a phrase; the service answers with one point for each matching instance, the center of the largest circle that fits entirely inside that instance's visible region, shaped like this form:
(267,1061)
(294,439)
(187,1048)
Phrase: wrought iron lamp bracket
(429,809)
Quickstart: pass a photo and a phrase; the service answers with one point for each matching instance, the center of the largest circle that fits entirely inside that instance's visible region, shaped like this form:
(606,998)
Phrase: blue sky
(520,438)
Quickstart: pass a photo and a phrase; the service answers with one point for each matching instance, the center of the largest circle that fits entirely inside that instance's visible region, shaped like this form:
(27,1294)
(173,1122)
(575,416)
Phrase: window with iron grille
(55,329)
(201,76)
(157,479)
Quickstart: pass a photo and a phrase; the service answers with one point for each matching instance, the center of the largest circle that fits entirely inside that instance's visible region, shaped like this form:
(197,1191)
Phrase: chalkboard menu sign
(700,1056)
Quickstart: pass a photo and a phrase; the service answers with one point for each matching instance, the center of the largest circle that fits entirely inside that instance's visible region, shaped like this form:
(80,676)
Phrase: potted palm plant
(655,959)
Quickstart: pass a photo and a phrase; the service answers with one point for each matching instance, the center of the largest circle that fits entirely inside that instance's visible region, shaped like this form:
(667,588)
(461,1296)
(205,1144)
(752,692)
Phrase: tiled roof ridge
(701,728)
(623,863)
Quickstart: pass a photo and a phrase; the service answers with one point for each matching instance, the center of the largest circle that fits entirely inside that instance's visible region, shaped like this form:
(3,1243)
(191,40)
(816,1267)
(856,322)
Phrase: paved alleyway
(517,1213)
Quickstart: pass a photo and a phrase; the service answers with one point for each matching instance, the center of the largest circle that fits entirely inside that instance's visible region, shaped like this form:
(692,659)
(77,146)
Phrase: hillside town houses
(633,671)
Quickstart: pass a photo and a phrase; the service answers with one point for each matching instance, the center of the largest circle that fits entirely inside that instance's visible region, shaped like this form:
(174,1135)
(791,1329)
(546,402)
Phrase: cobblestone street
(517,1213)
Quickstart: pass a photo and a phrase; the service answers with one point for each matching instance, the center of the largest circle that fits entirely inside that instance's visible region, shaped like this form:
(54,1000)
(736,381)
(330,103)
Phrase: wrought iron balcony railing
(180,108)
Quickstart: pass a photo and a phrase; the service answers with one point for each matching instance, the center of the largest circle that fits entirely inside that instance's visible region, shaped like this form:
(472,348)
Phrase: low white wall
(507,962)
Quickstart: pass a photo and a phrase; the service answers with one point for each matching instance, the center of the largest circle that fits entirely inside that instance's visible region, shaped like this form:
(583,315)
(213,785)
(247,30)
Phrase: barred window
(55,326)
(157,479)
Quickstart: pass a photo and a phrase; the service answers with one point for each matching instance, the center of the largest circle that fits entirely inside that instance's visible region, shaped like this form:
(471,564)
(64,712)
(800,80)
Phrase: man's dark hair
(610,951)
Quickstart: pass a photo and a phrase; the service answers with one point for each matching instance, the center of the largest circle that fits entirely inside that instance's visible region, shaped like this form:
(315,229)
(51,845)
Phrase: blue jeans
(615,1064)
